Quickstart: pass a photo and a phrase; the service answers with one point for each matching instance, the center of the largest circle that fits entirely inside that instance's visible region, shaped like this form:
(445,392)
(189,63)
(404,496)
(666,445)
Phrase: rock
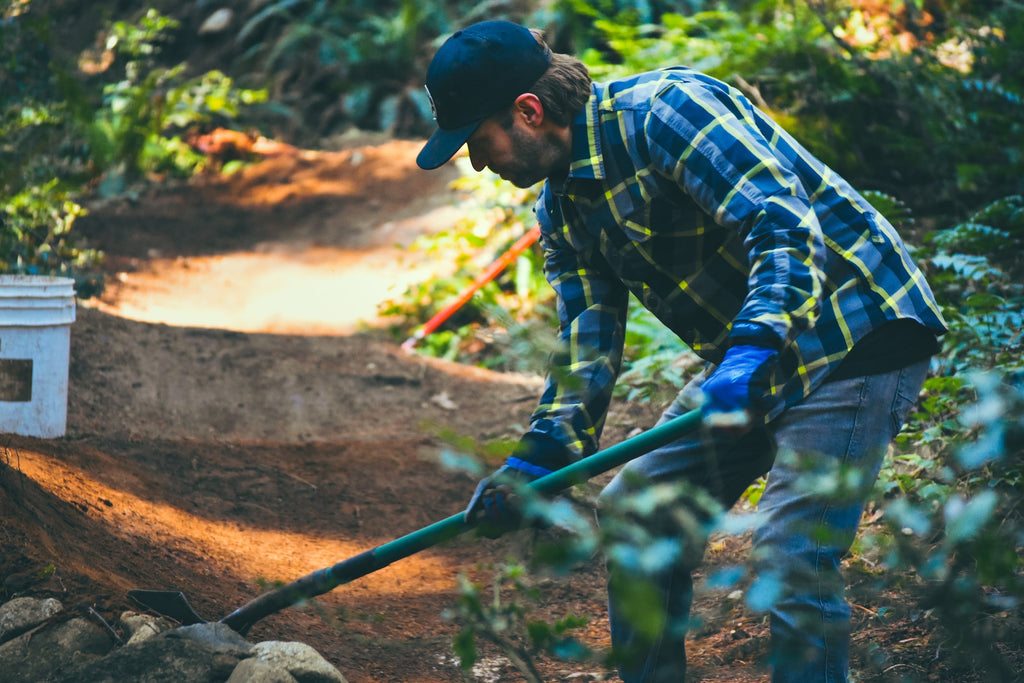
(46,652)
(140,627)
(181,654)
(254,670)
(300,660)
(79,651)
(21,614)
(216,637)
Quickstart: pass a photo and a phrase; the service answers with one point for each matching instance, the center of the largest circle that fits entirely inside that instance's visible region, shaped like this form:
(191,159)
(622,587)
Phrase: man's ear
(529,106)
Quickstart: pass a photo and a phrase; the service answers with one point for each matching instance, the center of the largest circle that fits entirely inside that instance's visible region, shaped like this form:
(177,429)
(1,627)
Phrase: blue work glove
(496,506)
(737,391)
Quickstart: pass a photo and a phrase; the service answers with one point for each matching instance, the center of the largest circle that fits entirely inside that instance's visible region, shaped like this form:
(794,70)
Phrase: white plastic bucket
(36,313)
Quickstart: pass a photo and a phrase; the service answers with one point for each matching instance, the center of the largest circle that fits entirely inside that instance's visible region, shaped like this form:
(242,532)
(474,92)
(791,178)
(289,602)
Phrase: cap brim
(443,145)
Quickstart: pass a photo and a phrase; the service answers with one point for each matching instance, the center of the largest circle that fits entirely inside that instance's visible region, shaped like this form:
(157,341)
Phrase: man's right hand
(495,506)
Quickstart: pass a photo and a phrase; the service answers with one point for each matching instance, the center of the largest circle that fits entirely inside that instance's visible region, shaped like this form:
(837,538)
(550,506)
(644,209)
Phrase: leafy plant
(953,517)
(137,129)
(502,621)
(344,60)
(977,269)
(63,132)
(655,363)
(509,319)
(39,161)
(995,231)
(35,237)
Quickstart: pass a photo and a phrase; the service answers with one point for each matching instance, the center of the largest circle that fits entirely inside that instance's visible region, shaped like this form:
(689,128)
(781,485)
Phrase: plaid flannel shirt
(725,228)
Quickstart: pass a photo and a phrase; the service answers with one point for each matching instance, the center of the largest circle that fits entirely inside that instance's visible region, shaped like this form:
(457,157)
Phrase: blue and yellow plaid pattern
(719,222)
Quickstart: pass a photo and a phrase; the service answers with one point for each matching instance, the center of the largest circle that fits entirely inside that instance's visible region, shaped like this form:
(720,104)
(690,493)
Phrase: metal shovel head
(171,604)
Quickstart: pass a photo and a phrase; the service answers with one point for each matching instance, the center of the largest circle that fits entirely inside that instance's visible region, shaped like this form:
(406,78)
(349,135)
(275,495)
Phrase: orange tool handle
(521,245)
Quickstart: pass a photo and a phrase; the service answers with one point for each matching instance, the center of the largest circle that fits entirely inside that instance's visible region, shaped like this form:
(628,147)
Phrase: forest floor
(236,418)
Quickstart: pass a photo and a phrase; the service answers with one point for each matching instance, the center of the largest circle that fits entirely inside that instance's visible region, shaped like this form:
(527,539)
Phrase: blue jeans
(822,456)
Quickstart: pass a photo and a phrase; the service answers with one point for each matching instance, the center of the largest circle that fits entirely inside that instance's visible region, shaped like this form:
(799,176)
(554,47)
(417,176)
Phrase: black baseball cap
(476,73)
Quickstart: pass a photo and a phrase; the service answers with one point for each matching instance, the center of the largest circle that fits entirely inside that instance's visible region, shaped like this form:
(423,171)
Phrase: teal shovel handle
(324,580)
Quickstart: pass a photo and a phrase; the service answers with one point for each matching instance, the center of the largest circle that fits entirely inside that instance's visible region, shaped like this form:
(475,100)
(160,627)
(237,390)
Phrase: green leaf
(964,520)
(641,604)
(464,645)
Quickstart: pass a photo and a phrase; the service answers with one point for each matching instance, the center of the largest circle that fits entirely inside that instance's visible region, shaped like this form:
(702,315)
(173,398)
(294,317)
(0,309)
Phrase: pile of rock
(39,643)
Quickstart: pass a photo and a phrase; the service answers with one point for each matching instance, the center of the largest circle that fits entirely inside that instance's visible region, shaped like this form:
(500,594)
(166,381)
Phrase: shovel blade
(171,604)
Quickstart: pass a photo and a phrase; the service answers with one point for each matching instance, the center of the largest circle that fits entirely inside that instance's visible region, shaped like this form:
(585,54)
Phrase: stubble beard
(536,158)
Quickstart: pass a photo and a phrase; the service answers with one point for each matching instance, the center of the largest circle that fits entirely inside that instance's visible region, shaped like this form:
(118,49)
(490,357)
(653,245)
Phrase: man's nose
(476,158)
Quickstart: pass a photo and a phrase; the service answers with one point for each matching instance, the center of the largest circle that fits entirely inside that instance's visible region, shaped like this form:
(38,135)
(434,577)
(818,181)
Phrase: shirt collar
(587,160)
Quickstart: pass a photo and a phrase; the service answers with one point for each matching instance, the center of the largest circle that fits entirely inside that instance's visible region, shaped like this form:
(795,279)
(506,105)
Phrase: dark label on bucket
(15,380)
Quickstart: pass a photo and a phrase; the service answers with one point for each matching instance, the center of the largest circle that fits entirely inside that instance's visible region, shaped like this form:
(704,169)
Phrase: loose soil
(236,418)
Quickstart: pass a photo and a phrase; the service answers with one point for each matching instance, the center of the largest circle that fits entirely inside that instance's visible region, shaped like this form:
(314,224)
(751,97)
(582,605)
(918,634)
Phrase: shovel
(173,604)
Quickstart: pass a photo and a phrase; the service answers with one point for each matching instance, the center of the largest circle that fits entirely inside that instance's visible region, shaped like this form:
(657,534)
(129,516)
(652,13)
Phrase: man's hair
(564,88)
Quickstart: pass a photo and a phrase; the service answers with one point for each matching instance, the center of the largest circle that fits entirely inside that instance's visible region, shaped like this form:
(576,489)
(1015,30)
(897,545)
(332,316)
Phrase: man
(816,324)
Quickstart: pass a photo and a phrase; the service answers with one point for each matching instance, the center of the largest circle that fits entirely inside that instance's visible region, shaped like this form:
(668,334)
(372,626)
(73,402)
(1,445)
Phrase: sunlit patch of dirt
(300,243)
(318,290)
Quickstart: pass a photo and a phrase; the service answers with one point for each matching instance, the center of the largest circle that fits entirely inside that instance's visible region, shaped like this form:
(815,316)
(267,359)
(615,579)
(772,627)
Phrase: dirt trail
(303,243)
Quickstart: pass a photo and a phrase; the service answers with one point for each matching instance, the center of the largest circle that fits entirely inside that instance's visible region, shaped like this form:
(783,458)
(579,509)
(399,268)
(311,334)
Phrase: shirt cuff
(754,334)
(543,451)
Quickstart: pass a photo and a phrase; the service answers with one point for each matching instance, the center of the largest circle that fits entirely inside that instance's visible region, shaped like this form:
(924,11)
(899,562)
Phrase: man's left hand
(735,393)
